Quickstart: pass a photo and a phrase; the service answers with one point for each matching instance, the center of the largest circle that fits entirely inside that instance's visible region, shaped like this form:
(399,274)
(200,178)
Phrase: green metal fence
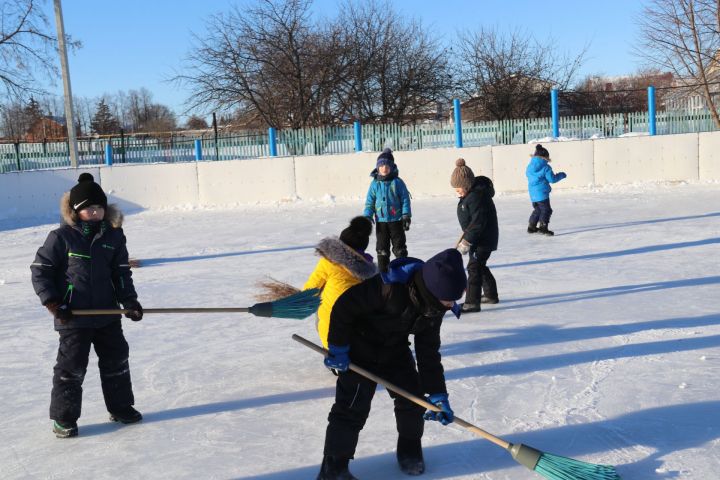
(340,139)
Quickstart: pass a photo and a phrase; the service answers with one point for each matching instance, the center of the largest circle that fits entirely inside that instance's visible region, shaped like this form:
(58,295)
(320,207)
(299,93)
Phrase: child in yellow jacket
(343,263)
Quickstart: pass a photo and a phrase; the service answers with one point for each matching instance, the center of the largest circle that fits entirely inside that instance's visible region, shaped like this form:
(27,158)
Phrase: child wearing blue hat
(388,206)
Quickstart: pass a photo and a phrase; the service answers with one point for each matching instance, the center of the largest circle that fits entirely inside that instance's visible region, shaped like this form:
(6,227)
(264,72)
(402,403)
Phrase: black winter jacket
(376,319)
(85,272)
(478,217)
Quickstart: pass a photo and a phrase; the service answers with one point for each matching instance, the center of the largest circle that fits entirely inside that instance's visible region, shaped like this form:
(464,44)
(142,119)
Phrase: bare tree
(510,75)
(598,94)
(269,60)
(26,47)
(683,36)
(398,71)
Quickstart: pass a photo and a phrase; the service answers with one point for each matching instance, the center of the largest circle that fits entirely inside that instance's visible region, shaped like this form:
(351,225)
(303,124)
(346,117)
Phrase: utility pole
(69,114)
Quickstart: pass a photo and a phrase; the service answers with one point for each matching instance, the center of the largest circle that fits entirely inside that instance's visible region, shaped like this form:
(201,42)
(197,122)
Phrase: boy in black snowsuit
(370,324)
(478,220)
(84,265)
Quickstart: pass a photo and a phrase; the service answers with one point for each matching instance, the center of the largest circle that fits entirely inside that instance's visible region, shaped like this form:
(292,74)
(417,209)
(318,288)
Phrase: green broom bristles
(298,306)
(556,467)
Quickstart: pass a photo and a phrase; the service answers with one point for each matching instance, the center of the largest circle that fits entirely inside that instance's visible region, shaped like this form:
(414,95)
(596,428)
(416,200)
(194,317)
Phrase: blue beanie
(385,158)
(444,275)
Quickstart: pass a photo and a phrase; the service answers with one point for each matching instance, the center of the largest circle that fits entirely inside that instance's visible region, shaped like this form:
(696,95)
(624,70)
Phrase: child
(84,265)
(388,204)
(478,220)
(343,263)
(540,175)
(370,325)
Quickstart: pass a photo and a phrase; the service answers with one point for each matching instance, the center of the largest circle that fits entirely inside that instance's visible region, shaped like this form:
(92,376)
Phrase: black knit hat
(86,193)
(357,235)
(444,275)
(541,151)
(385,158)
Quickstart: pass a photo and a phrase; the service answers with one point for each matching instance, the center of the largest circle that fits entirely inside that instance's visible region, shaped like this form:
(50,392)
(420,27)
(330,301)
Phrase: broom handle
(417,400)
(159,310)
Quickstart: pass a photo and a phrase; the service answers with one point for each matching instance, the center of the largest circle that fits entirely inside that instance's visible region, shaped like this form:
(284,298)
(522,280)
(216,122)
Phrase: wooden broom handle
(417,400)
(120,311)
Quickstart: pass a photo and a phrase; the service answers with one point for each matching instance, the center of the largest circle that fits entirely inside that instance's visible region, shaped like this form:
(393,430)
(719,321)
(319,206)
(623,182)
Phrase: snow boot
(532,228)
(409,456)
(63,429)
(335,468)
(544,230)
(470,307)
(126,415)
(490,300)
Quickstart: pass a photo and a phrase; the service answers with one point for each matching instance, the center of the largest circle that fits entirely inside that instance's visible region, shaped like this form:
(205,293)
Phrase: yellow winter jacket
(339,268)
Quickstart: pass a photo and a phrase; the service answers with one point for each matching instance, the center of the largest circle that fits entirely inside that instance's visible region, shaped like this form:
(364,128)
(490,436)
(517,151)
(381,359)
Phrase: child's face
(384,169)
(460,192)
(93,213)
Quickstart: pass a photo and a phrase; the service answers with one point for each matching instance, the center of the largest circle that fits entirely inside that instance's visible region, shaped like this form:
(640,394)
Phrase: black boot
(335,468)
(544,230)
(409,456)
(63,429)
(470,307)
(532,227)
(126,415)
(491,300)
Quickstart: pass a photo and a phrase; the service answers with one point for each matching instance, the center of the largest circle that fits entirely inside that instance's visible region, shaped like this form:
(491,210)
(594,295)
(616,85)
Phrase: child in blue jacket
(540,175)
(388,205)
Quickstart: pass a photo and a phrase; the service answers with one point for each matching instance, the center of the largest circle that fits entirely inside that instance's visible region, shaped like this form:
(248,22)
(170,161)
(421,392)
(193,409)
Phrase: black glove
(136,312)
(406,222)
(59,310)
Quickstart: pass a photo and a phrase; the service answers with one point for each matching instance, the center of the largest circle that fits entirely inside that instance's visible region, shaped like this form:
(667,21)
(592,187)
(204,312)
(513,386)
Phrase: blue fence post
(198,149)
(652,126)
(273,142)
(358,136)
(108,153)
(458,123)
(555,112)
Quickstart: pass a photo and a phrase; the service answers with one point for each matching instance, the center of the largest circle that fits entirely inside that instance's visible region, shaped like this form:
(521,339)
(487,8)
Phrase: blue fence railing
(342,139)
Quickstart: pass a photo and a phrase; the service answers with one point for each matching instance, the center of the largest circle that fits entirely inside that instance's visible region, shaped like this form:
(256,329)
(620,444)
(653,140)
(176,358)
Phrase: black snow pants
(72,361)
(480,278)
(353,395)
(386,233)
(541,212)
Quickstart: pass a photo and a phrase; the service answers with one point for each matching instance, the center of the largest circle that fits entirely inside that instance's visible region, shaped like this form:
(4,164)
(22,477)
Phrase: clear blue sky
(130,44)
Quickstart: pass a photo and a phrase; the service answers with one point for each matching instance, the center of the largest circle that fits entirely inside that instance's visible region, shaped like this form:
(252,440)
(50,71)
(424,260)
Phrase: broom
(297,306)
(548,465)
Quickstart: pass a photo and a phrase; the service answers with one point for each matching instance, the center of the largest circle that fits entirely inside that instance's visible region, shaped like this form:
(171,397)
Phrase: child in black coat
(370,325)
(84,265)
(478,220)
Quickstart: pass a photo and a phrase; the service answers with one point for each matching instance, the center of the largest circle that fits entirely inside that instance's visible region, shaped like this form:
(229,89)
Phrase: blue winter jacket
(388,199)
(540,175)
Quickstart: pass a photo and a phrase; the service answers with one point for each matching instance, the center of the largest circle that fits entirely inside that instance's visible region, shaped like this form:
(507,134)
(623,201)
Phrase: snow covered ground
(605,346)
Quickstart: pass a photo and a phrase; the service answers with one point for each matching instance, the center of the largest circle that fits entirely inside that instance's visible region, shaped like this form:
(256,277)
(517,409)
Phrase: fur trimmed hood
(336,251)
(113,214)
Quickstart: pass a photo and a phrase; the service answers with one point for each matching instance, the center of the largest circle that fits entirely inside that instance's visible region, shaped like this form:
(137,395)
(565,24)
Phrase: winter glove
(406,222)
(463,247)
(59,310)
(440,400)
(561,175)
(338,357)
(136,312)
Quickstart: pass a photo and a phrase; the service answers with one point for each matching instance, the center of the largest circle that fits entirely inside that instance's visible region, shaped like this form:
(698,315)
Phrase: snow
(605,346)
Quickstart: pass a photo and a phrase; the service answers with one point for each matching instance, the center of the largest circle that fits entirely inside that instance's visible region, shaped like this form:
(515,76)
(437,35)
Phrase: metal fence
(341,139)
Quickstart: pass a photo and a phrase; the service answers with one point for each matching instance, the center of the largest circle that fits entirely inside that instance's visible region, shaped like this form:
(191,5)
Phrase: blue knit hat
(385,158)
(444,275)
